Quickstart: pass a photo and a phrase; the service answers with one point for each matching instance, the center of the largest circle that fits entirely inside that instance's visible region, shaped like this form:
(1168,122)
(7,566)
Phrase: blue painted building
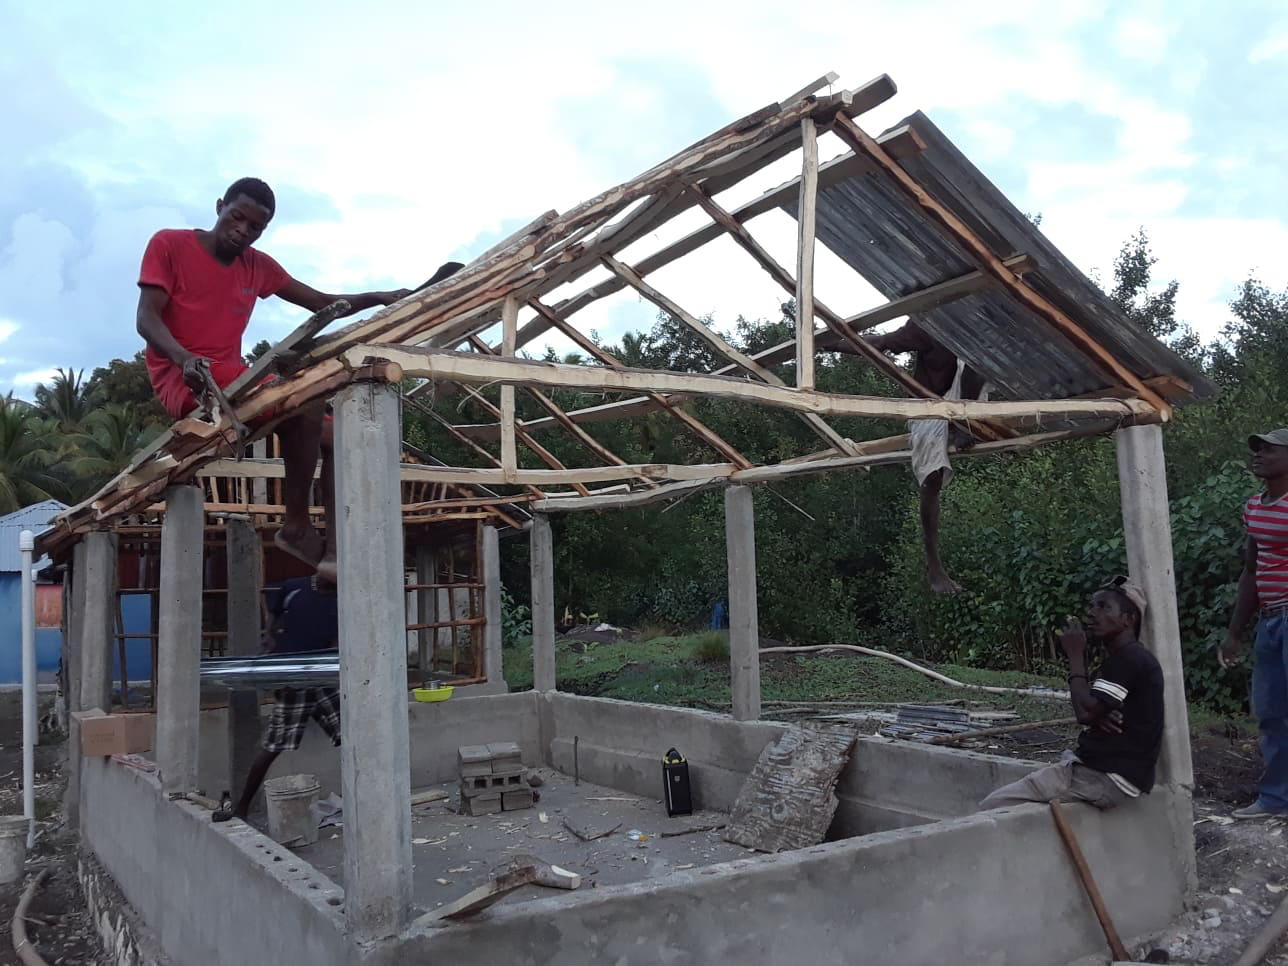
(49,637)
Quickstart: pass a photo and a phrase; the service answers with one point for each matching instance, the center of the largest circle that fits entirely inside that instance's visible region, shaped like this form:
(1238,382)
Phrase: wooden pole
(1084,875)
(805,256)
(509,334)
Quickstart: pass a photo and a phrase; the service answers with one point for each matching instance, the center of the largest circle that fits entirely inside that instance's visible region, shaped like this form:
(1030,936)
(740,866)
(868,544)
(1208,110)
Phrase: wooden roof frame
(421,336)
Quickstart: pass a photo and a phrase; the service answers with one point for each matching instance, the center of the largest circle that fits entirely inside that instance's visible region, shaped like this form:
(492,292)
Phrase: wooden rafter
(717,342)
(833,321)
(470,367)
(691,422)
(783,471)
(557,413)
(975,248)
(914,302)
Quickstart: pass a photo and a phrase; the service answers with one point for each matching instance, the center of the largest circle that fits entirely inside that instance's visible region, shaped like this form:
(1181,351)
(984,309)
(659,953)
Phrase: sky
(400,135)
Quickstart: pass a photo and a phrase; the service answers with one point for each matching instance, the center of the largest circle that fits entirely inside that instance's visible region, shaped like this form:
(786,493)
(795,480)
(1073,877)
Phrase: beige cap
(1129,589)
(1276,437)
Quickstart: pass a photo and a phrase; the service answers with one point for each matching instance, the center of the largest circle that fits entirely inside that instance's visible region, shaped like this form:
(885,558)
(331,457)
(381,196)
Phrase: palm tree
(28,451)
(68,399)
(110,438)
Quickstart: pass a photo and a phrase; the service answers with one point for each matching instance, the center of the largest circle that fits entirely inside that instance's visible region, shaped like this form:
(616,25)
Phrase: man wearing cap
(1122,708)
(1263,591)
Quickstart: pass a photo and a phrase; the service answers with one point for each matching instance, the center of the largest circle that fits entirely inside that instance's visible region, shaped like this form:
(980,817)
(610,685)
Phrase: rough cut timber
(905,210)
(789,798)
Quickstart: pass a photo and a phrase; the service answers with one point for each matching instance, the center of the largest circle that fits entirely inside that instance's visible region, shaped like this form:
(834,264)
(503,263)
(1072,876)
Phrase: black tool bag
(675,778)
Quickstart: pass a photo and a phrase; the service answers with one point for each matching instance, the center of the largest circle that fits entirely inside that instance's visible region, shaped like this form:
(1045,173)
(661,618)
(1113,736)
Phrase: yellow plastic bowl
(432,694)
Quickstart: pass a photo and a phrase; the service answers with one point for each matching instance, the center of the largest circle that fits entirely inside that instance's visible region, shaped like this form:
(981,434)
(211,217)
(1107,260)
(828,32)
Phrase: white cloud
(1270,47)
(29,380)
(417,157)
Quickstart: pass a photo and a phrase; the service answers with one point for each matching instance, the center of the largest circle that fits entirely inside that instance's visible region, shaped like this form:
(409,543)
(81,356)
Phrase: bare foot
(327,570)
(302,544)
(941,583)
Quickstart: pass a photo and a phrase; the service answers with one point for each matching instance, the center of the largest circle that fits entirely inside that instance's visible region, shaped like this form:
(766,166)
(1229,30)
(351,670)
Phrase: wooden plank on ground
(788,800)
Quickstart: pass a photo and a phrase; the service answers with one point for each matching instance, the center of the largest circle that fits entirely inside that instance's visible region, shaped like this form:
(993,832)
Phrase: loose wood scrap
(788,800)
(588,833)
(476,900)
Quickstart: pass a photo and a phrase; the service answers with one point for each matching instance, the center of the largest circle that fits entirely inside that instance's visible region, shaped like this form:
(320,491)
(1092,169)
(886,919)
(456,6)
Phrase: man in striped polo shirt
(1263,591)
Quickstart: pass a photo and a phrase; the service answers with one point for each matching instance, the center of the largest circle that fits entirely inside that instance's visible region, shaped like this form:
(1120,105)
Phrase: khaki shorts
(1068,780)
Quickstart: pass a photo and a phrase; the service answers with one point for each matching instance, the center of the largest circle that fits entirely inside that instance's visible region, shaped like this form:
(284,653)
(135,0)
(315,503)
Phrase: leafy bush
(711,646)
(516,621)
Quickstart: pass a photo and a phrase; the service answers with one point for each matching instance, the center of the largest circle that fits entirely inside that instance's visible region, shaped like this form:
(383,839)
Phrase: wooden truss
(436,334)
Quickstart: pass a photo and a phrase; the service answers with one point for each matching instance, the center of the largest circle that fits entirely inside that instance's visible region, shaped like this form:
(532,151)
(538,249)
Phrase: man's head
(243,213)
(1116,611)
(1270,454)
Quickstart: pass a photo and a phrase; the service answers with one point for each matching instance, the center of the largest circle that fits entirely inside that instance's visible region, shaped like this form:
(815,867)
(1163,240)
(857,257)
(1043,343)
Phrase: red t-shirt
(209,309)
(1267,523)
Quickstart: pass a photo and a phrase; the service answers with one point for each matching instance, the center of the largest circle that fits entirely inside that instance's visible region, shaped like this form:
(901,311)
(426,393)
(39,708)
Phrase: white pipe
(26,543)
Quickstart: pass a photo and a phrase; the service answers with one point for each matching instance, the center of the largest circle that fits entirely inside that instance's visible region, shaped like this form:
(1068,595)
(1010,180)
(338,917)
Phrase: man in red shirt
(197,289)
(1263,590)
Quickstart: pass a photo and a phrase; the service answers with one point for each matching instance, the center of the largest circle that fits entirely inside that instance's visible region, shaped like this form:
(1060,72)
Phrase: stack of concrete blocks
(493,778)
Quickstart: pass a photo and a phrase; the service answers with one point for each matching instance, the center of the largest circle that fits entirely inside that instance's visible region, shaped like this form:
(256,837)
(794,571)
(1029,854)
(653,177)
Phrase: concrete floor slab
(455,853)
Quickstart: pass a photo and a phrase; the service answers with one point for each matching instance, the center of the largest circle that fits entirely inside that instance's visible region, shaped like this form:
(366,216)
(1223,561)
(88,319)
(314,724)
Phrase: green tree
(67,399)
(126,382)
(28,452)
(110,439)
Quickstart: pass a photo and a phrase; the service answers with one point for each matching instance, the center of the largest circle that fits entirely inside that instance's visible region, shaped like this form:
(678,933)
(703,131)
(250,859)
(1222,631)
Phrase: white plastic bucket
(290,802)
(13,847)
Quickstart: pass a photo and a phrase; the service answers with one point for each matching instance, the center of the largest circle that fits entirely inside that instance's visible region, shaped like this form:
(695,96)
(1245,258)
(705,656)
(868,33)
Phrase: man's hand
(1230,652)
(1111,723)
(193,377)
(1073,639)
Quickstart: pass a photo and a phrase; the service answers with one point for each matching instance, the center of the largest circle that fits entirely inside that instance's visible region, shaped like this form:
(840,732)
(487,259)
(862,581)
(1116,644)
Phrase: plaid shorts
(294,708)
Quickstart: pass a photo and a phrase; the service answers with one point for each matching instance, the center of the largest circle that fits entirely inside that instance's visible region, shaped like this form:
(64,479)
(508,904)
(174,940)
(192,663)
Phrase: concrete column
(541,558)
(375,766)
(71,679)
(75,621)
(425,601)
(98,624)
(744,623)
(178,698)
(1147,527)
(492,630)
(245,635)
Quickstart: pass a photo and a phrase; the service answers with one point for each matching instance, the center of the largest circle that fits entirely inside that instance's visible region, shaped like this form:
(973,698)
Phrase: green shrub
(711,646)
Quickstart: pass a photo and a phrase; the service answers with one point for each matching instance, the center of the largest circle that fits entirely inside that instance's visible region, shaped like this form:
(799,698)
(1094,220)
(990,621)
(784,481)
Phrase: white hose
(21,944)
(942,678)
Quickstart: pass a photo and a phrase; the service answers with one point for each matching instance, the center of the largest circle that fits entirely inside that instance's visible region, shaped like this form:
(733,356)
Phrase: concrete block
(476,769)
(481,805)
(519,798)
(473,754)
(502,750)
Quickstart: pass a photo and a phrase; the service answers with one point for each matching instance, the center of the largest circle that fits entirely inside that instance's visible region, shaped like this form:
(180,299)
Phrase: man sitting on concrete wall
(305,617)
(1123,709)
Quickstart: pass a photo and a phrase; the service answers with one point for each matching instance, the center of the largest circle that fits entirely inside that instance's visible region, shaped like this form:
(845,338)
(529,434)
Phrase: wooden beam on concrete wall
(469,367)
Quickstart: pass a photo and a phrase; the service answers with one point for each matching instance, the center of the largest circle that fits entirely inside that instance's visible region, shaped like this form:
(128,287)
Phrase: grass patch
(711,646)
(670,670)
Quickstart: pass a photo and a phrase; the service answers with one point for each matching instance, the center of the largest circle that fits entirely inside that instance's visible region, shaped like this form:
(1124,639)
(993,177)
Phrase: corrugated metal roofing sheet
(873,227)
(34,518)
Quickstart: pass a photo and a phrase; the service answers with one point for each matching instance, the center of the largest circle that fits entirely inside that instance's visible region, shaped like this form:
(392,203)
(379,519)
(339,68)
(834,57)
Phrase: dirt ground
(57,923)
(1242,866)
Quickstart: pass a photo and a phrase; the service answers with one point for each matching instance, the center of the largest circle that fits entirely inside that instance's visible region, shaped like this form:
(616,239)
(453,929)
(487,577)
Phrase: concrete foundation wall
(212,894)
(887,784)
(437,730)
(994,889)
